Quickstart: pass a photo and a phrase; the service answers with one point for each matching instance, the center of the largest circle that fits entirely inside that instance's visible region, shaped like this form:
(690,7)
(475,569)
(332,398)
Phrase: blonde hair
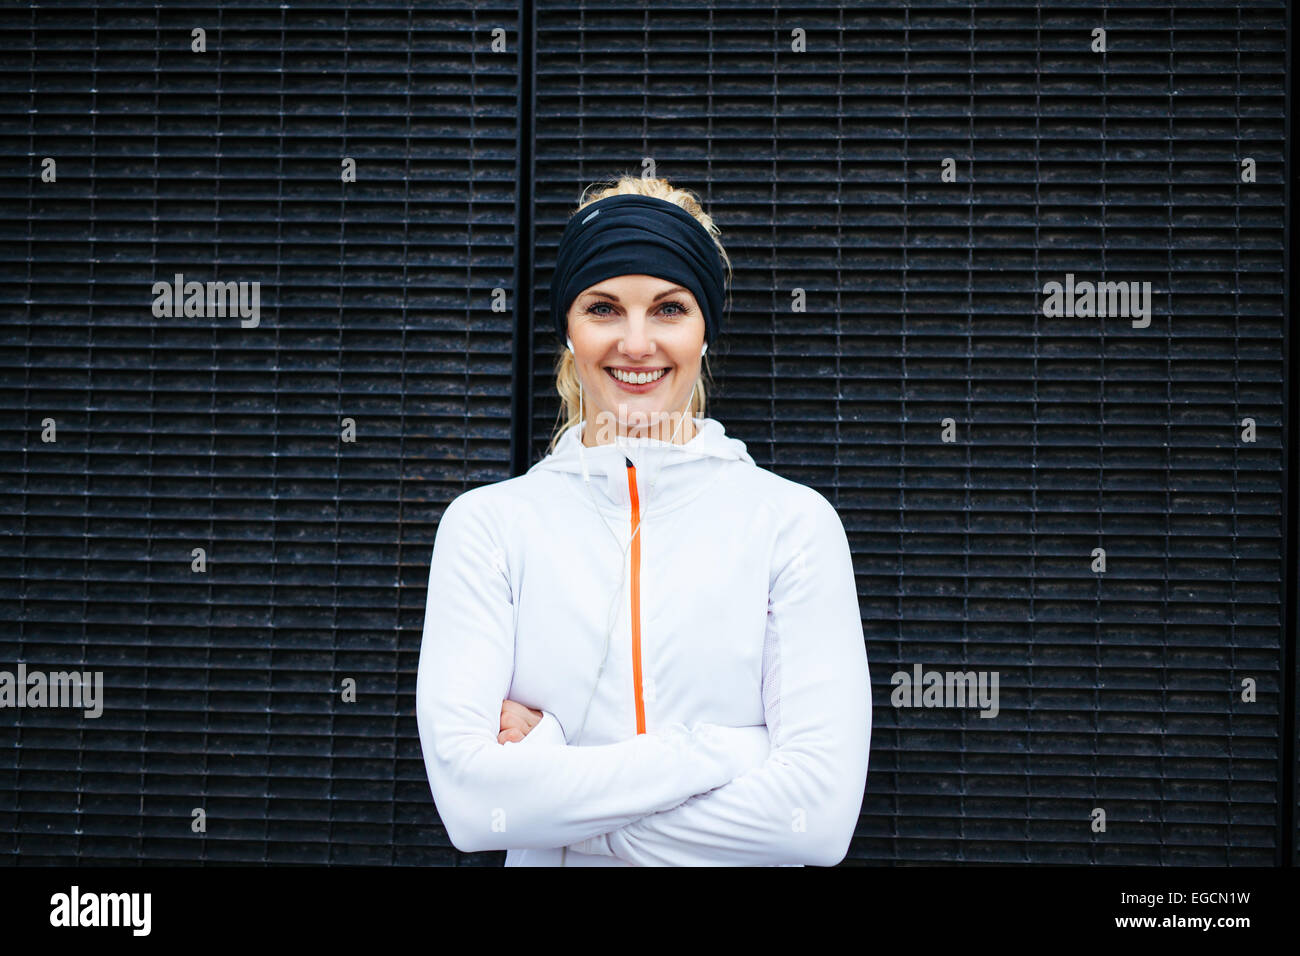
(566,373)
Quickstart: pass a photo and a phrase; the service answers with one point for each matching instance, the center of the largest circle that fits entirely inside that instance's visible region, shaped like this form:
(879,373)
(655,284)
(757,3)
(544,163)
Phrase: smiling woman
(606,304)
(729,721)
(639,341)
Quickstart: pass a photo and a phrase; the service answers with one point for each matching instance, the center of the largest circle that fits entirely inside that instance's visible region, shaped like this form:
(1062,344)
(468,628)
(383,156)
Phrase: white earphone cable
(623,550)
(586,479)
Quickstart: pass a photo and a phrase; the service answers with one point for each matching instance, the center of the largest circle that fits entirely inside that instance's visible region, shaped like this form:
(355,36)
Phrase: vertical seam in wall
(1290,592)
(521,371)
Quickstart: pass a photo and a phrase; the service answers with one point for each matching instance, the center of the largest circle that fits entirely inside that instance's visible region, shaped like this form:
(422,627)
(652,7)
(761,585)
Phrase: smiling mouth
(635,378)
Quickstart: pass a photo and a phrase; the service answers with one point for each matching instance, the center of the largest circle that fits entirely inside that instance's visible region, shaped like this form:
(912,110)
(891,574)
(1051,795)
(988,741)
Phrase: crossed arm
(802,804)
(493,796)
(786,793)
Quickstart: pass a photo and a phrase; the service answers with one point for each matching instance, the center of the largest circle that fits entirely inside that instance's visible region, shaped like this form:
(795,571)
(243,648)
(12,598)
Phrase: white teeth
(638,378)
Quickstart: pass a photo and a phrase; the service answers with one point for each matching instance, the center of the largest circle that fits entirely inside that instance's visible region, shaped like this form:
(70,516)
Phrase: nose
(636,340)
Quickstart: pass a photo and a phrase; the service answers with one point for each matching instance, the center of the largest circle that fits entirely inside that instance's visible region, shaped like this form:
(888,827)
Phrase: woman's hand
(516,721)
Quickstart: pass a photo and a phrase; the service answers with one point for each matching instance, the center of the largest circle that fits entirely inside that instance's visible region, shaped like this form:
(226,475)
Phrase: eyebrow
(662,295)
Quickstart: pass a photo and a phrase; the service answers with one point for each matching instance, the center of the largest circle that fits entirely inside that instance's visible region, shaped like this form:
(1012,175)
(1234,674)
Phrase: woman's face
(629,325)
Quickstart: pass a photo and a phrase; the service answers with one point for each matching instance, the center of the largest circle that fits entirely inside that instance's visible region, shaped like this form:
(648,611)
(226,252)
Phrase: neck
(660,431)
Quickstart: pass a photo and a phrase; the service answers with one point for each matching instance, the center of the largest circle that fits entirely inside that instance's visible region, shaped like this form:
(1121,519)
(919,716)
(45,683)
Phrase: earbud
(704,348)
(569,343)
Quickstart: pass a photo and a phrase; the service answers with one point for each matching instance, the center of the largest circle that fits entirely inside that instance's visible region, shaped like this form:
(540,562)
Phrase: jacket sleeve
(802,804)
(493,796)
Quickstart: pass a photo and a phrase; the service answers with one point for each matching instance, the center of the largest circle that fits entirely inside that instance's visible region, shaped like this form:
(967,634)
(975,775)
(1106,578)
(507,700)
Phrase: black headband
(629,234)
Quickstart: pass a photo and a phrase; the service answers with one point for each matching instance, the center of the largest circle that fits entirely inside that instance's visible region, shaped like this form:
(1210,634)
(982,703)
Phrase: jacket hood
(667,473)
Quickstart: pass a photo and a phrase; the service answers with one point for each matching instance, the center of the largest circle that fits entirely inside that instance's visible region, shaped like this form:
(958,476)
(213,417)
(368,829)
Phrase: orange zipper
(636,598)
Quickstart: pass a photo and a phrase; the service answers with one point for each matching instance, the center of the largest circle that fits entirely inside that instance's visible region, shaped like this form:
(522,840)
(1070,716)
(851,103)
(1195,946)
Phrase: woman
(646,650)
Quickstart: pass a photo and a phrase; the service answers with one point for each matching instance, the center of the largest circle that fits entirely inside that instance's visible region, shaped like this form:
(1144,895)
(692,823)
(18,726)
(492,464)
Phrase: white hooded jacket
(731,722)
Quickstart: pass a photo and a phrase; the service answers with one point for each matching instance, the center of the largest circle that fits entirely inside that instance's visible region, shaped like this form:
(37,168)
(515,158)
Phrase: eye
(674,308)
